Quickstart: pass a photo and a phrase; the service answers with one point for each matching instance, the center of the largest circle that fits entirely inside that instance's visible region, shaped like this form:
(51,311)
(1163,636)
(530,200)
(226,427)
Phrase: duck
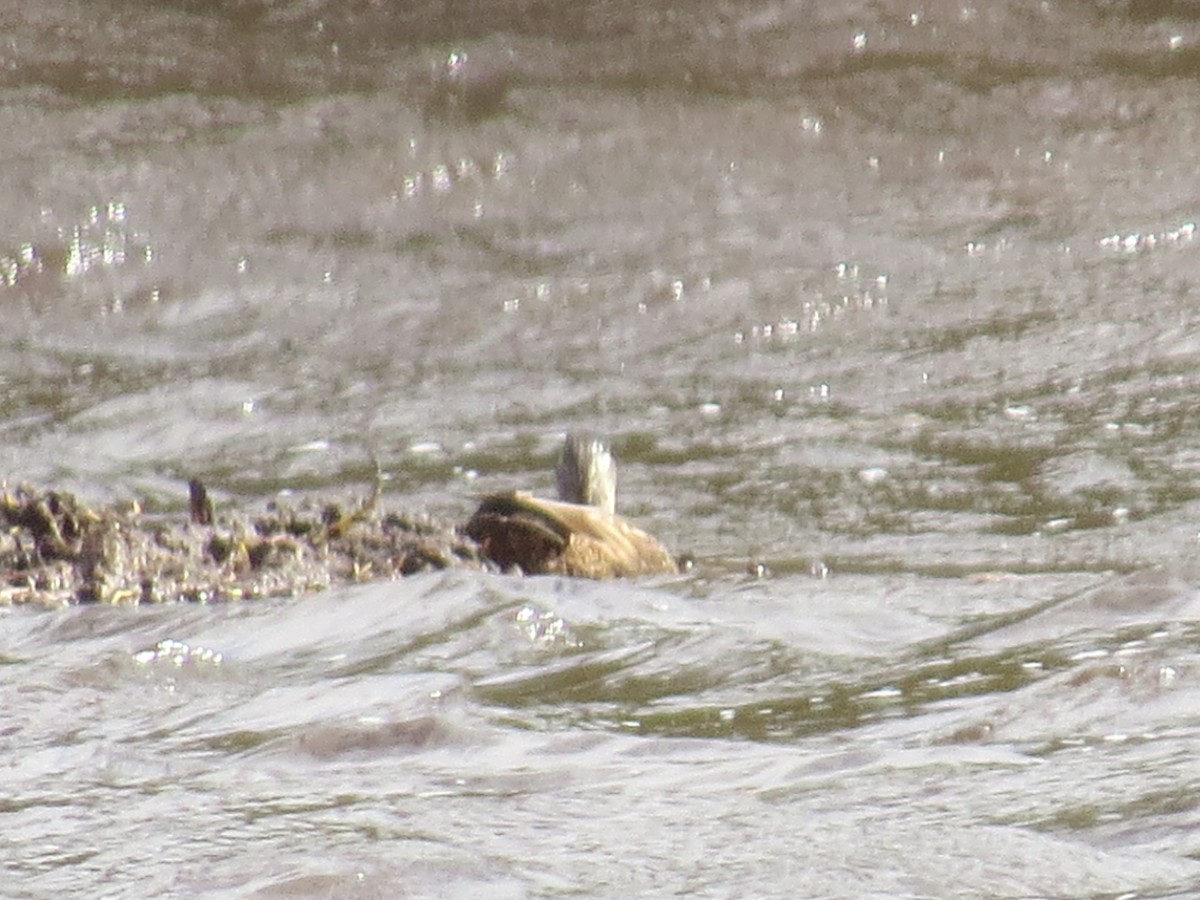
(580,534)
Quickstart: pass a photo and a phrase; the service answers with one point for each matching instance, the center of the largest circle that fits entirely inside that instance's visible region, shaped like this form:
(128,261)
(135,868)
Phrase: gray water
(889,310)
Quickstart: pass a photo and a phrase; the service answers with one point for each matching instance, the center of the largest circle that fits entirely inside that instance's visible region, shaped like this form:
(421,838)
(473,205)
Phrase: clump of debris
(55,550)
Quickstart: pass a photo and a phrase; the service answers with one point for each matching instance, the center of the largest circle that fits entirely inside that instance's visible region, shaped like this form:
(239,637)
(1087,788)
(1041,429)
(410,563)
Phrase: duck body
(518,530)
(569,537)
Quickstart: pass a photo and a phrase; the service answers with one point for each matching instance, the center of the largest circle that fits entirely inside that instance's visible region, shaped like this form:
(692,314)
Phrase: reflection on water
(888,312)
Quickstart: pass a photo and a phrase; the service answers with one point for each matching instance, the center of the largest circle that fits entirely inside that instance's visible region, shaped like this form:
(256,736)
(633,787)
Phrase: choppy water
(890,311)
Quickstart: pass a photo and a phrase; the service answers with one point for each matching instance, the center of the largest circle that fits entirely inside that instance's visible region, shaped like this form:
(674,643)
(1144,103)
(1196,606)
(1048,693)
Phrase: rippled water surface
(890,311)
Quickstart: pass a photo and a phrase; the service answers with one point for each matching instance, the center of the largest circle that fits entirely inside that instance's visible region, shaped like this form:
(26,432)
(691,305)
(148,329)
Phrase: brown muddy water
(890,310)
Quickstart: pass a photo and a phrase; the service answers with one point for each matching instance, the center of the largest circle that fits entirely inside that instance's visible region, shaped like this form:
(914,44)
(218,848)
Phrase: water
(889,311)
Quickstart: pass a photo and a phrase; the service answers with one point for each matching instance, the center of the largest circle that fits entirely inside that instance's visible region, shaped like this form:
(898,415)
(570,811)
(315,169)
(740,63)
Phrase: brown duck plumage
(569,536)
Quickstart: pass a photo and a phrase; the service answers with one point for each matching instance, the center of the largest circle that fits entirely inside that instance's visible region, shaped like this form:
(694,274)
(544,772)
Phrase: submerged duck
(580,534)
